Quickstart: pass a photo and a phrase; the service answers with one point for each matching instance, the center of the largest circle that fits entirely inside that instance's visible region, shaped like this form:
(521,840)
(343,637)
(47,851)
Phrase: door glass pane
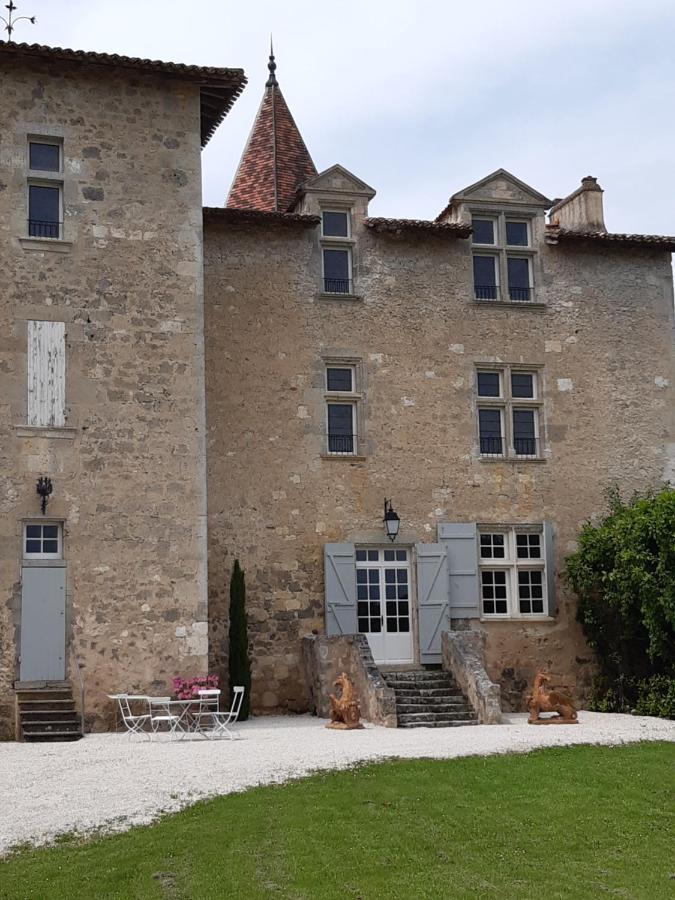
(516,234)
(490,428)
(336,224)
(43,211)
(484,277)
(45,157)
(336,271)
(519,278)
(524,436)
(483,231)
(339,379)
(488,384)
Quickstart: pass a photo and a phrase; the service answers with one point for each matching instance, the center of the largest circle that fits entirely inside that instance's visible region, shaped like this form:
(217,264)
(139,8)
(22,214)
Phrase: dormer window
(502,258)
(336,251)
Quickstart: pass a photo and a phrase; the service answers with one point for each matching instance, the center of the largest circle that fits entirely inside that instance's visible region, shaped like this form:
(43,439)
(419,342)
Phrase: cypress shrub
(238,661)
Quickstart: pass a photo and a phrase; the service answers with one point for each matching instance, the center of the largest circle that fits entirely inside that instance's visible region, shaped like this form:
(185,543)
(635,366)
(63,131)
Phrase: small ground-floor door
(383,603)
(43,623)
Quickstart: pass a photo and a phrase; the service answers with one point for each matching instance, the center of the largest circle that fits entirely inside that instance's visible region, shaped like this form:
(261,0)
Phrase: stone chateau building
(251,381)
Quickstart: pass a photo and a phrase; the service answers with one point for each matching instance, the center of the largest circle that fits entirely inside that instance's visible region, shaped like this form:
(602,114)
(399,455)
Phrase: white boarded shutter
(432,599)
(460,540)
(46,373)
(340,586)
(549,555)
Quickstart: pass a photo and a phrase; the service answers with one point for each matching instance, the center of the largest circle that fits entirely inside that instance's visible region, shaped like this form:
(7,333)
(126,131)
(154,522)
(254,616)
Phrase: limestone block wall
(603,337)
(128,470)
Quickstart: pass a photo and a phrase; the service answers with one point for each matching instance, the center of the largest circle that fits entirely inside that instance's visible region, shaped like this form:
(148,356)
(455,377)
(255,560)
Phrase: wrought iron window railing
(526,446)
(486,291)
(44,229)
(491,446)
(342,444)
(337,285)
(520,294)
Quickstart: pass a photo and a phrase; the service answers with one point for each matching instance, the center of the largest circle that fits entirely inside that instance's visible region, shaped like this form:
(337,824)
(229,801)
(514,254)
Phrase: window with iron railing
(509,410)
(336,252)
(502,258)
(45,188)
(342,399)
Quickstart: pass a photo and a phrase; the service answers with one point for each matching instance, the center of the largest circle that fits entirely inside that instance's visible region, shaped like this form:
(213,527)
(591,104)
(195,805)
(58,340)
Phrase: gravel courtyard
(111,781)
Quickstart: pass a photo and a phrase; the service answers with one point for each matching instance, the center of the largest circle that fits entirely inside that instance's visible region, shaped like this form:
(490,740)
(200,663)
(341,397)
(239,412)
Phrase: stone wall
(325,658)
(128,471)
(602,336)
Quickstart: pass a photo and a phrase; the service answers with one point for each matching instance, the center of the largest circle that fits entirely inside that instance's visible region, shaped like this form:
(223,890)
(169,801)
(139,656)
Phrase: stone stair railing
(463,654)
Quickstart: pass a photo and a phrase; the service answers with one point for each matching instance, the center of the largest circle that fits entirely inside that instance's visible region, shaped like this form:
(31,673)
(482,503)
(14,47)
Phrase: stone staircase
(46,712)
(428,698)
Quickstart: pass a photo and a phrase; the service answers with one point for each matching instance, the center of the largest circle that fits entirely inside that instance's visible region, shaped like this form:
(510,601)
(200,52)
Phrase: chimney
(582,210)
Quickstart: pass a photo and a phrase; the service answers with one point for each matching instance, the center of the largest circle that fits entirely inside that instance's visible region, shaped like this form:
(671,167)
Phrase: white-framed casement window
(502,258)
(342,395)
(336,251)
(45,188)
(509,412)
(46,369)
(512,571)
(42,540)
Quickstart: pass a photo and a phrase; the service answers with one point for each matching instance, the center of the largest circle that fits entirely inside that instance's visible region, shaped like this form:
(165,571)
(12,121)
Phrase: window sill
(520,304)
(517,620)
(37,563)
(324,295)
(513,459)
(344,457)
(33,431)
(54,245)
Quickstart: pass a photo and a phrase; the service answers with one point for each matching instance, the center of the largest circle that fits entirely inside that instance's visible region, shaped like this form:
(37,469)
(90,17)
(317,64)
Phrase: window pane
(339,379)
(33,547)
(401,555)
(33,531)
(389,556)
(483,231)
(516,234)
(44,157)
(524,439)
(50,546)
(43,211)
(522,384)
(336,224)
(340,428)
(484,277)
(336,271)
(519,278)
(488,384)
(361,555)
(489,424)
(50,531)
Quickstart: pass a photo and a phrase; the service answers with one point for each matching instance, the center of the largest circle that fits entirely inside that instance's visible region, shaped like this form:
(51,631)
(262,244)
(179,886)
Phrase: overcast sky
(422,98)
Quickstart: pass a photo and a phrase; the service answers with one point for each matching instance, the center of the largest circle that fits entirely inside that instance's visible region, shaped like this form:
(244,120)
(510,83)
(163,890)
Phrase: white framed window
(45,187)
(336,251)
(42,540)
(342,397)
(512,568)
(509,412)
(511,262)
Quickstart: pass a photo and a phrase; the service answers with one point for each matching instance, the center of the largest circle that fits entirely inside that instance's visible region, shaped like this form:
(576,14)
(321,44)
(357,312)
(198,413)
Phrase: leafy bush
(623,573)
(238,659)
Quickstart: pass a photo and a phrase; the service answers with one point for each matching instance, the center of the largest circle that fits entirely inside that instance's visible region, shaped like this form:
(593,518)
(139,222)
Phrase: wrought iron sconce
(44,488)
(391,519)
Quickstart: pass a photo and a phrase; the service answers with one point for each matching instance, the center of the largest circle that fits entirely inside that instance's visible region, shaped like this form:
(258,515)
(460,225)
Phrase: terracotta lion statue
(543,699)
(344,710)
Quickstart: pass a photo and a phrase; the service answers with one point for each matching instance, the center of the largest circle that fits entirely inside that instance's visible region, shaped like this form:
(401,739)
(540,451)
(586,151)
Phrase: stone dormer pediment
(337,180)
(501,188)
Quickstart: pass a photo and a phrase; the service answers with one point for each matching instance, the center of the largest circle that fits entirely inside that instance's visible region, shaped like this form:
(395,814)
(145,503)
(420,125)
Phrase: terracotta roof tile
(275,161)
(417,226)
(232,216)
(555,235)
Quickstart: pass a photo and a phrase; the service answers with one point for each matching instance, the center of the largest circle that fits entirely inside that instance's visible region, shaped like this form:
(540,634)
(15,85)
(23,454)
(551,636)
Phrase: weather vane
(10,21)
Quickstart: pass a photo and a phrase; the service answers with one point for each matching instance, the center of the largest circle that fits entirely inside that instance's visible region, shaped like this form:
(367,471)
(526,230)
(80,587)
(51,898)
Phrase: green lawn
(569,822)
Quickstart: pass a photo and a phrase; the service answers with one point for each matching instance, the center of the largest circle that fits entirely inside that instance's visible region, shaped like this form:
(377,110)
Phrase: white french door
(383,603)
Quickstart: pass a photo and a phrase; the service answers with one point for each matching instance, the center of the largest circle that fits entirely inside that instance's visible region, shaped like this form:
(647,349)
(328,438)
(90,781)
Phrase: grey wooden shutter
(47,373)
(432,599)
(460,540)
(340,588)
(549,552)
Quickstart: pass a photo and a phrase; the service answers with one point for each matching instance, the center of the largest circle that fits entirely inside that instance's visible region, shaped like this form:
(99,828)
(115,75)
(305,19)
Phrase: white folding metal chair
(134,724)
(219,720)
(160,714)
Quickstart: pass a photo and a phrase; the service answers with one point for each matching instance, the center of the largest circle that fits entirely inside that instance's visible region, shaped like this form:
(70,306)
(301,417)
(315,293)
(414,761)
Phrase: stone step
(404,709)
(441,723)
(418,679)
(41,736)
(46,715)
(46,695)
(425,686)
(427,693)
(425,717)
(47,726)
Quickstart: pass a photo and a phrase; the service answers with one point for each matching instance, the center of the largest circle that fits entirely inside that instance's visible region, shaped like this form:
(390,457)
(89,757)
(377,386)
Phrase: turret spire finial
(272,66)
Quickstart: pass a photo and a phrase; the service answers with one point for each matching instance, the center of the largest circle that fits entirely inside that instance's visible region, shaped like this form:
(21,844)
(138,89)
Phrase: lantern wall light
(391,520)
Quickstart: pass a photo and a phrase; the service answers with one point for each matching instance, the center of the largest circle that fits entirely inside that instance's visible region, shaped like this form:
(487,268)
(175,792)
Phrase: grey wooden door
(43,623)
